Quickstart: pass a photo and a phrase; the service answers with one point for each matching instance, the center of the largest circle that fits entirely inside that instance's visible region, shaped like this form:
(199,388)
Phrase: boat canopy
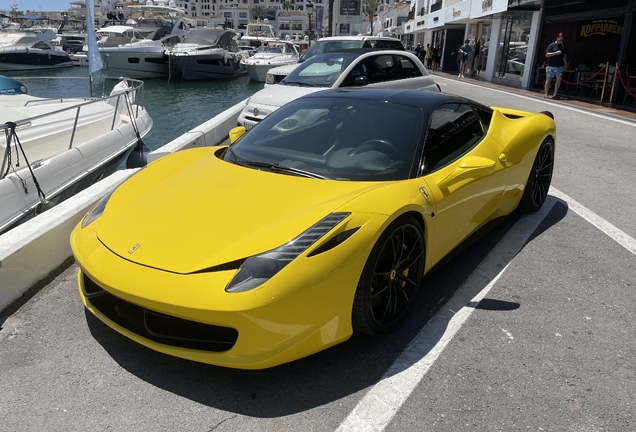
(210,37)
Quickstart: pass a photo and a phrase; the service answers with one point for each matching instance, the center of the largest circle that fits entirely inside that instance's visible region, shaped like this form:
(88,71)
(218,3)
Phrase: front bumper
(304,309)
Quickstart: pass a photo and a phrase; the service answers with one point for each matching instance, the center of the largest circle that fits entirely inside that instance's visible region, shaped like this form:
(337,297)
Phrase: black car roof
(425,100)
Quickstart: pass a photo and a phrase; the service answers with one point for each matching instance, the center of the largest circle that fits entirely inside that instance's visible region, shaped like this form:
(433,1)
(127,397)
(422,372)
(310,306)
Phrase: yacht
(54,148)
(256,33)
(272,53)
(29,50)
(137,49)
(206,54)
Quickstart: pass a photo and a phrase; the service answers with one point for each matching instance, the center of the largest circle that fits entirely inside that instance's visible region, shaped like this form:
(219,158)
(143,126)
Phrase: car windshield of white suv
(320,47)
(321,71)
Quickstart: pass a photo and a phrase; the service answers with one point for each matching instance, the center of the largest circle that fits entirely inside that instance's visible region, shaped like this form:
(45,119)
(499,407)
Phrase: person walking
(418,50)
(464,53)
(429,56)
(557,61)
(437,57)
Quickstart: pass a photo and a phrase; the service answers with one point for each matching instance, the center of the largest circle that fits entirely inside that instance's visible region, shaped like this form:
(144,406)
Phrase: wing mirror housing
(236,133)
(361,81)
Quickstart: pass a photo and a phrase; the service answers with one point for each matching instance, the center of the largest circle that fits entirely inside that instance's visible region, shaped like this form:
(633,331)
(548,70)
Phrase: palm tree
(258,11)
(372,5)
(287,5)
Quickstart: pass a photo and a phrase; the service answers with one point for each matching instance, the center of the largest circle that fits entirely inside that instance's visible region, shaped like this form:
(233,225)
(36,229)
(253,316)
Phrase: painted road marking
(378,407)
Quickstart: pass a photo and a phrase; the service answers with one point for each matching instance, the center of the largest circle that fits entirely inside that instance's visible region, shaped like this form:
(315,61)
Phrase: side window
(359,69)
(453,130)
(407,68)
(381,68)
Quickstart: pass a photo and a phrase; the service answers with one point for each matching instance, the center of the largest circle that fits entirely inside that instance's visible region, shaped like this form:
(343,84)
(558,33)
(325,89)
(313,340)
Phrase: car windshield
(321,71)
(325,46)
(341,138)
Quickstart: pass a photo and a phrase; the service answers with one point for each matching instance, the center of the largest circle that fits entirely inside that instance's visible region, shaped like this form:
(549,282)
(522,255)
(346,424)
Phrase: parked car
(335,43)
(319,222)
(73,46)
(355,67)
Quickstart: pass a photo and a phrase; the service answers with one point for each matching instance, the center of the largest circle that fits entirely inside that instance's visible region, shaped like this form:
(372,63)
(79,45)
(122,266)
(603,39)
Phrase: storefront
(595,35)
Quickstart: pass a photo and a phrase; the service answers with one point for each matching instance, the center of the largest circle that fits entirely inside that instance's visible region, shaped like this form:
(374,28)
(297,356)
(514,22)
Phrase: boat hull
(137,64)
(199,67)
(16,60)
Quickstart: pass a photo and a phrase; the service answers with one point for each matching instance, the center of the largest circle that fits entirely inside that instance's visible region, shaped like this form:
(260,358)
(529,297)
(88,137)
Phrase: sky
(36,5)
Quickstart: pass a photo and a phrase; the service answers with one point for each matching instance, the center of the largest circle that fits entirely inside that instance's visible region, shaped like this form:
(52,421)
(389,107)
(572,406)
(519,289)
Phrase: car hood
(191,211)
(283,70)
(279,95)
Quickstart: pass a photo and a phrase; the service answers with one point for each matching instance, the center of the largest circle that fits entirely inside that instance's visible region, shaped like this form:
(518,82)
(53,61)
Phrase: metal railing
(135,89)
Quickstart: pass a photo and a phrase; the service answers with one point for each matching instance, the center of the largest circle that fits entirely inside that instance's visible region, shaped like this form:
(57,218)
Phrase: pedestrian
(418,50)
(464,53)
(429,56)
(437,57)
(557,61)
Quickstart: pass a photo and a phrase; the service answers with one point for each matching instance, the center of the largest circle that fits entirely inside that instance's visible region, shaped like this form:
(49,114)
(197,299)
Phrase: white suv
(340,69)
(336,43)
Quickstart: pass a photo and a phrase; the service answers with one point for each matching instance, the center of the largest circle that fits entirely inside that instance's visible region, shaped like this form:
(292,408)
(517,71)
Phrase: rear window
(383,43)
(325,46)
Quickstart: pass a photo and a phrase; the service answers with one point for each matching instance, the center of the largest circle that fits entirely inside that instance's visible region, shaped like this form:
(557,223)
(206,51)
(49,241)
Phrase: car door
(395,71)
(463,173)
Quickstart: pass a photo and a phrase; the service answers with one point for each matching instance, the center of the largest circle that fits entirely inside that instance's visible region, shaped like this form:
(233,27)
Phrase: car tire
(69,51)
(390,278)
(540,177)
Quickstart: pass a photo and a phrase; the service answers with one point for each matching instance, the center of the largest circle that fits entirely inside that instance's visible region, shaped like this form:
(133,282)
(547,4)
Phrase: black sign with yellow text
(601,28)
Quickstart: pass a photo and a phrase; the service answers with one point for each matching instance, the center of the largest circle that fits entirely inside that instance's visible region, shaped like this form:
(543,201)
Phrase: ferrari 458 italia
(320,221)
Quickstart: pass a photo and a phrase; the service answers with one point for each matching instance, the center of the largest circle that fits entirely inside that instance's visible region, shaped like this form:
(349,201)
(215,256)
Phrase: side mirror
(236,133)
(361,81)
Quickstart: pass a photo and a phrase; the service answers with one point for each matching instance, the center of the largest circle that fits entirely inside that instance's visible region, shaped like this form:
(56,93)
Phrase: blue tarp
(31,17)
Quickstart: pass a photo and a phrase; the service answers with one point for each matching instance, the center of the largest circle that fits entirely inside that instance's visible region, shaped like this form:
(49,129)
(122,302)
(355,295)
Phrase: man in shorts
(557,61)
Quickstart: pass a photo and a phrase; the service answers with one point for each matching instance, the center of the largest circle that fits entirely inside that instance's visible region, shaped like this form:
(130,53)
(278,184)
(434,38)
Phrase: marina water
(175,106)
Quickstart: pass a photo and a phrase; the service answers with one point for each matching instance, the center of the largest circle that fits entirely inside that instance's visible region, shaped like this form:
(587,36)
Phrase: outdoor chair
(630,82)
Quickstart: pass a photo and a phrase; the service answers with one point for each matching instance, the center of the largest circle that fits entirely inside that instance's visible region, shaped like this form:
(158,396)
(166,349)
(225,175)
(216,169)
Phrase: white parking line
(378,407)
(546,101)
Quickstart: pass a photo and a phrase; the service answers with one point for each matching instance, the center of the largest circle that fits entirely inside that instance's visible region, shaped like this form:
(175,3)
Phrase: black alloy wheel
(540,178)
(390,279)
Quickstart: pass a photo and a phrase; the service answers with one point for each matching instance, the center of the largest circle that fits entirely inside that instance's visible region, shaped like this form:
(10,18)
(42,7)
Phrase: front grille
(156,326)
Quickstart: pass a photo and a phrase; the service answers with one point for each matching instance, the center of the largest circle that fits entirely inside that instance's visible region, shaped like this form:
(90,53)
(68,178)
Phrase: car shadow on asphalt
(327,376)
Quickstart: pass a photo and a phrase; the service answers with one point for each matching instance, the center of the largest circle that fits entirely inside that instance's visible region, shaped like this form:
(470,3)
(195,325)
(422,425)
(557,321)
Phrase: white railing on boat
(130,98)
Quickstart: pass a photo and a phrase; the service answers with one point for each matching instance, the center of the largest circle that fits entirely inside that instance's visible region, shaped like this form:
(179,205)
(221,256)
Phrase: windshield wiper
(274,167)
(299,84)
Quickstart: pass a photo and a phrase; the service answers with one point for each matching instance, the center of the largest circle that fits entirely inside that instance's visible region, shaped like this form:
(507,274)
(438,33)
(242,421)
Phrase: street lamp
(310,12)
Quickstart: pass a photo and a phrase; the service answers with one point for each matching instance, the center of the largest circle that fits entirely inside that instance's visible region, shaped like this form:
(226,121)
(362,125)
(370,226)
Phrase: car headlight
(258,269)
(269,79)
(96,211)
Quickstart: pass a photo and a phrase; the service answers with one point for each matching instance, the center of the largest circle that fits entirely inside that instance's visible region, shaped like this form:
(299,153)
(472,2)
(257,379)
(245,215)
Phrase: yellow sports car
(320,221)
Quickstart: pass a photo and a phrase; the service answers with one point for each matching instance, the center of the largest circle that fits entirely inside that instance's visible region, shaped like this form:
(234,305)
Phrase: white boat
(53,148)
(272,53)
(137,49)
(206,54)
(29,50)
(138,52)
(257,32)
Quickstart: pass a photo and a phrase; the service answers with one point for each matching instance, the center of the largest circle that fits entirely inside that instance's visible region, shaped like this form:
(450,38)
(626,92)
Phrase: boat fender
(138,158)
